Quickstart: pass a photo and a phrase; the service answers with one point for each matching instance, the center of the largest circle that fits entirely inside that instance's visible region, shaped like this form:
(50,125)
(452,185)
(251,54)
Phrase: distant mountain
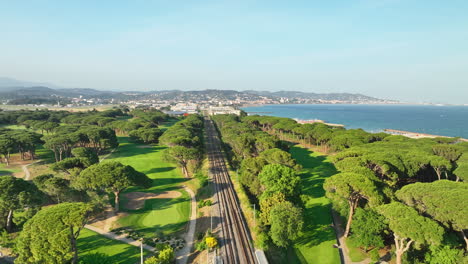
(316,96)
(10,83)
(11,89)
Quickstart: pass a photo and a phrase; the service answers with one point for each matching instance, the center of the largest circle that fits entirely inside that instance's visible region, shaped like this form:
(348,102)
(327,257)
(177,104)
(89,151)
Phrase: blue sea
(430,119)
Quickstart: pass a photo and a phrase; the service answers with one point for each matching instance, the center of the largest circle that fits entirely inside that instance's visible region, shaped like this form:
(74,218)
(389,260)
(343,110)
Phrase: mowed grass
(90,242)
(9,170)
(316,244)
(158,215)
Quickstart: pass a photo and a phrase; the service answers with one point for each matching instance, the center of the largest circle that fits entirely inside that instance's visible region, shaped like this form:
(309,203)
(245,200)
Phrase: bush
(374,254)
(263,240)
(203,203)
(211,242)
(200,246)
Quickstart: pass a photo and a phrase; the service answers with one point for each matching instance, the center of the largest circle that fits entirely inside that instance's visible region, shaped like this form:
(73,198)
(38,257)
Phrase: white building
(186,108)
(222,110)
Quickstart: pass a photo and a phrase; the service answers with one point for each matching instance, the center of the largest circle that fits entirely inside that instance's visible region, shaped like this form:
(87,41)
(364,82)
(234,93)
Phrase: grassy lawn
(13,126)
(90,242)
(316,244)
(355,254)
(158,215)
(9,170)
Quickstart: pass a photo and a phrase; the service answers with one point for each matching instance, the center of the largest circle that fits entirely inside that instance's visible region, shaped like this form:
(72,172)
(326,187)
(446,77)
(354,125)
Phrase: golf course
(158,216)
(316,243)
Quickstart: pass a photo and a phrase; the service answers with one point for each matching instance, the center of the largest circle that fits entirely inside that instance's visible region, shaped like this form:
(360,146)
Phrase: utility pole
(255,218)
(141,250)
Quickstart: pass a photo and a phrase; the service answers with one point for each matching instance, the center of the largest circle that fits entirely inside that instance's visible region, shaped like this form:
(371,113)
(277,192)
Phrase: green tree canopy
(110,176)
(279,178)
(286,223)
(442,200)
(17,194)
(352,188)
(409,227)
(181,156)
(248,174)
(368,228)
(50,236)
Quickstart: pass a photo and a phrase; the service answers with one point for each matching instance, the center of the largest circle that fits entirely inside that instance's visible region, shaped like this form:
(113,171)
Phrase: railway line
(235,242)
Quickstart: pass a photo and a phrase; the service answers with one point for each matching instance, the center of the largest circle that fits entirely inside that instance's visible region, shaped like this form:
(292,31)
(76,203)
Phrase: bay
(430,119)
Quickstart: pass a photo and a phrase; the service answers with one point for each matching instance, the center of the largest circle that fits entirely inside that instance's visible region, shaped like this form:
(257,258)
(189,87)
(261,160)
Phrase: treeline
(330,138)
(18,141)
(268,173)
(185,143)
(64,130)
(392,188)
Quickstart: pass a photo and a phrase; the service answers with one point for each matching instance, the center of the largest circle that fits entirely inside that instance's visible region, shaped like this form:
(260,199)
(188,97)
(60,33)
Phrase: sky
(415,51)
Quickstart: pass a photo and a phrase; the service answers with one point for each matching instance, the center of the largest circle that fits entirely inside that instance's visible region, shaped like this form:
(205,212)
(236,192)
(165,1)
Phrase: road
(235,239)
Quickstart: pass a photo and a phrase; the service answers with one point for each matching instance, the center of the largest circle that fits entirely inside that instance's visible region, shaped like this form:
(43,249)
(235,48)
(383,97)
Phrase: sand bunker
(144,146)
(136,200)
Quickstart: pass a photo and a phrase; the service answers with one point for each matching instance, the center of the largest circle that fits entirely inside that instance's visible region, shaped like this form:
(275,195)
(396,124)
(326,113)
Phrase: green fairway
(90,242)
(316,244)
(158,215)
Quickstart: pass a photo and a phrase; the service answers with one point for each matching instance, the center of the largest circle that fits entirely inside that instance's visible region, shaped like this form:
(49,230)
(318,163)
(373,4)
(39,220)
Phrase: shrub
(374,255)
(200,246)
(211,242)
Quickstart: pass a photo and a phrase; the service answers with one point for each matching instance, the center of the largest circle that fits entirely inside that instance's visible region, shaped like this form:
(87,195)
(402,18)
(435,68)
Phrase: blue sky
(408,50)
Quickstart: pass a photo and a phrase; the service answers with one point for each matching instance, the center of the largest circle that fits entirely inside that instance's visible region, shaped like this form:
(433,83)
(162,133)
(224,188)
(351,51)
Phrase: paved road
(183,254)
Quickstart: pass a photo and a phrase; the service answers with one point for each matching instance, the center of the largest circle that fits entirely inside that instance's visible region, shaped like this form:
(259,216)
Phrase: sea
(440,120)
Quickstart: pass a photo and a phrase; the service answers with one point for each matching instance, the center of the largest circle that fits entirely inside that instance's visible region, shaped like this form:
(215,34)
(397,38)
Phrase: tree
(164,255)
(57,188)
(181,156)
(17,194)
(353,188)
(440,165)
(461,172)
(146,135)
(444,255)
(70,165)
(367,228)
(267,203)
(286,223)
(279,178)
(7,146)
(81,152)
(248,174)
(110,176)
(60,144)
(409,227)
(50,236)
(449,152)
(278,156)
(442,200)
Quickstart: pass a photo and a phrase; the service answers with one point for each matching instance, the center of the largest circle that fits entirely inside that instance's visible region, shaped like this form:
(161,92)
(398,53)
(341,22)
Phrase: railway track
(236,246)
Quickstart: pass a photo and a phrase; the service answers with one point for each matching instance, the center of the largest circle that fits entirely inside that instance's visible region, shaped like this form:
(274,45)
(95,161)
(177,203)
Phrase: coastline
(408,121)
(416,135)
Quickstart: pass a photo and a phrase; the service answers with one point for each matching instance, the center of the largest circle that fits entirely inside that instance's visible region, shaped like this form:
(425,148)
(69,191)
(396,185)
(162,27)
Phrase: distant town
(174,101)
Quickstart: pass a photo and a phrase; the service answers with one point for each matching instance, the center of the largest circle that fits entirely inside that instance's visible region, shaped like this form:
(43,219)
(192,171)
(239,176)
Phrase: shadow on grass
(159,170)
(117,252)
(5,173)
